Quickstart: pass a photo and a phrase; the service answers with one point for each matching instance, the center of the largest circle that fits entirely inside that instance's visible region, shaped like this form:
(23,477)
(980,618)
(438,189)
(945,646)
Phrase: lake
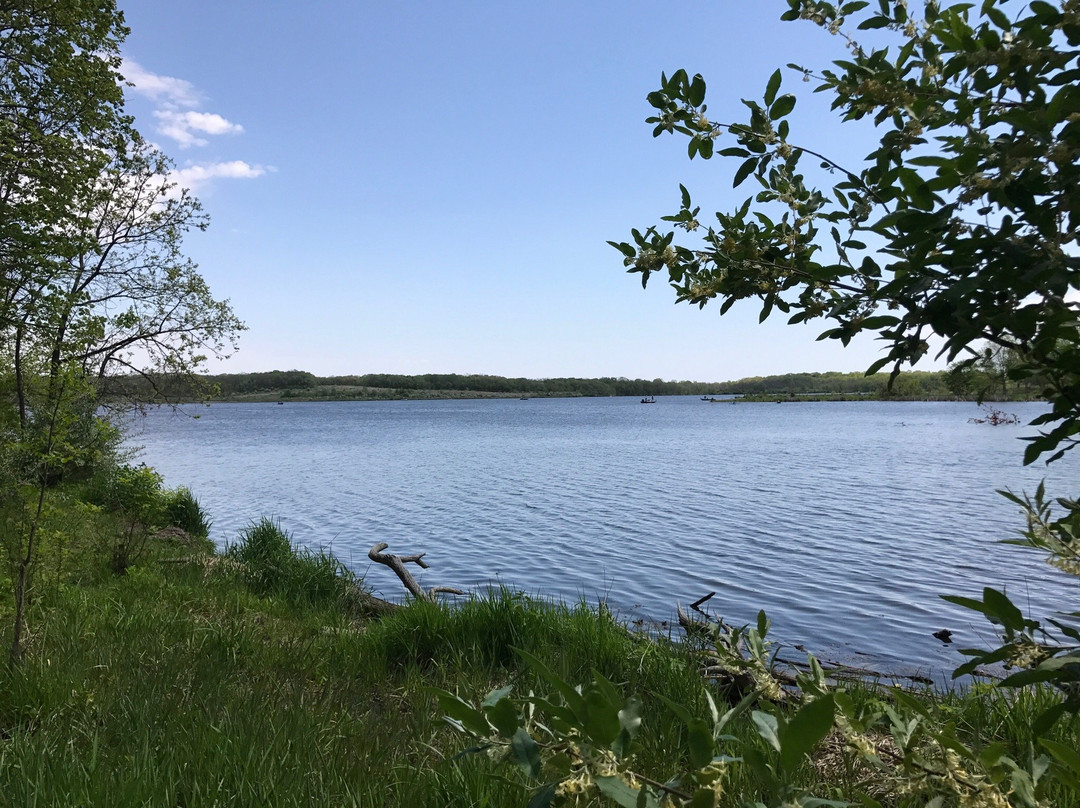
(845,521)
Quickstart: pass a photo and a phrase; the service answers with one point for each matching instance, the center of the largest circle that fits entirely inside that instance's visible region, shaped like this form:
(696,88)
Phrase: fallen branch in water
(397,564)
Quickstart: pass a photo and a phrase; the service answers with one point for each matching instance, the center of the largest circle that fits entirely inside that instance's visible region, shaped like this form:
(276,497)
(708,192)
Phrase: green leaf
(629,722)
(703,798)
(572,698)
(495,696)
(526,753)
(997,17)
(1030,677)
(701,743)
(1046,720)
(803,732)
(998,603)
(1023,789)
(624,248)
(602,717)
(696,93)
(784,104)
(878,365)
(767,728)
(618,791)
(762,623)
(772,87)
(471,719)
(503,715)
(1067,756)
(874,22)
(680,711)
(744,171)
(544,796)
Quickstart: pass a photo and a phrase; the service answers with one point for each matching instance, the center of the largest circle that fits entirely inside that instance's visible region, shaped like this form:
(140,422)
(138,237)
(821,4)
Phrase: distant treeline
(299,385)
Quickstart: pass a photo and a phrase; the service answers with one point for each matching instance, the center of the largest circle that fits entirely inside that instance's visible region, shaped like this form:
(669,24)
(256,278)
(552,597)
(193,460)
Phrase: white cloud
(182,126)
(171,92)
(198,174)
(177,100)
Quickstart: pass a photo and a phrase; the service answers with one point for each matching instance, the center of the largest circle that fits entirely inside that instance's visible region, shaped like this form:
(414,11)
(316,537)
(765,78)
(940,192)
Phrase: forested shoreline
(298,385)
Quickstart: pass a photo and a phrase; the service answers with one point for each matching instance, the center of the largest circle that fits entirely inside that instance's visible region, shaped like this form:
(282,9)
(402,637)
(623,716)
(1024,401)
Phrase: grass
(241,680)
(183,510)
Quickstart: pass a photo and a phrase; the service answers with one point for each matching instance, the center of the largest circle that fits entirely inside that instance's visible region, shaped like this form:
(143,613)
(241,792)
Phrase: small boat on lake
(649,400)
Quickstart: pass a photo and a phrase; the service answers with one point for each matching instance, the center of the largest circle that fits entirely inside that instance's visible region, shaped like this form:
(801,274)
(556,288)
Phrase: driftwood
(397,564)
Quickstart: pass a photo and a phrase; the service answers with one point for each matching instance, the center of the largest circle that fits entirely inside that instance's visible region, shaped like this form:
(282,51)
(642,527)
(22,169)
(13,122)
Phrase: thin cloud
(183,126)
(198,174)
(178,101)
(169,91)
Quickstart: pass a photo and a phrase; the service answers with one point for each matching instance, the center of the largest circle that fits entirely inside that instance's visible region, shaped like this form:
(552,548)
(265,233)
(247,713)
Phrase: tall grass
(273,566)
(182,510)
(253,687)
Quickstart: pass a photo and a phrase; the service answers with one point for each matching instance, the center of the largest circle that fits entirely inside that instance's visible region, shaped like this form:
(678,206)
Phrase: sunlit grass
(246,679)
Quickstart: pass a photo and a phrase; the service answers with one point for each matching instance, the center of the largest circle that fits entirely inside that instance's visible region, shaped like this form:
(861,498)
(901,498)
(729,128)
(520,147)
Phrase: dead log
(397,564)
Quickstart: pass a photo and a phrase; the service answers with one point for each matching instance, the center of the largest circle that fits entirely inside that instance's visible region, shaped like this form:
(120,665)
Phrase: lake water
(844,521)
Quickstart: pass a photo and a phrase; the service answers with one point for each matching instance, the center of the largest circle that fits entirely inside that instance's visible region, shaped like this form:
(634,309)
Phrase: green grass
(245,680)
(163,687)
(183,510)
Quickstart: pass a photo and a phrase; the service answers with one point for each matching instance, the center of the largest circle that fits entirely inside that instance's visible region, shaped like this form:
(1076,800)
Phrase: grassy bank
(256,677)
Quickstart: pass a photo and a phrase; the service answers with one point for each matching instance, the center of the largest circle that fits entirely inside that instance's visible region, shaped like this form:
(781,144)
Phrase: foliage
(177,685)
(143,301)
(136,495)
(272,566)
(989,376)
(62,108)
(577,743)
(962,223)
(134,491)
(93,278)
(299,385)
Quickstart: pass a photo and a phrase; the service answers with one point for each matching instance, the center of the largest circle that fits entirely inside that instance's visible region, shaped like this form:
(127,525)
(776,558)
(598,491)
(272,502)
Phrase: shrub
(136,492)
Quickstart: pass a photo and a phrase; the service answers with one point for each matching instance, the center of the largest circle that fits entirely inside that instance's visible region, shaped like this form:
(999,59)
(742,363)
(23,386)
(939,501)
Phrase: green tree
(61,110)
(131,301)
(961,224)
(93,279)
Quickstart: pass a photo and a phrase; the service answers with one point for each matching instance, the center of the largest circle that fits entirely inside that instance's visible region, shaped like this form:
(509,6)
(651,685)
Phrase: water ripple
(844,521)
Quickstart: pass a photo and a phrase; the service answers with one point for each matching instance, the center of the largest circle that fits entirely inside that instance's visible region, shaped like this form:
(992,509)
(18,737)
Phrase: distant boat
(649,400)
(524,398)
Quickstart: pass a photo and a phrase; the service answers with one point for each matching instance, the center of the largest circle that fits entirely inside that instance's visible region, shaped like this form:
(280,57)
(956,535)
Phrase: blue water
(844,521)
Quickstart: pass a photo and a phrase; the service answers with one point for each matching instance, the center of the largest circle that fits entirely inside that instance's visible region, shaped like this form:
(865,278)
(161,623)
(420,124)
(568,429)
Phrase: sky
(414,187)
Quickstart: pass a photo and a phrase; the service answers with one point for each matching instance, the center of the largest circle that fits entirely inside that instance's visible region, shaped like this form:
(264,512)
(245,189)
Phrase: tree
(962,224)
(131,301)
(93,278)
(990,374)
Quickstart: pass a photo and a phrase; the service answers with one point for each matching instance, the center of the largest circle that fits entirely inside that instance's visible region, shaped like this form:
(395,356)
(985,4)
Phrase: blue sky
(429,187)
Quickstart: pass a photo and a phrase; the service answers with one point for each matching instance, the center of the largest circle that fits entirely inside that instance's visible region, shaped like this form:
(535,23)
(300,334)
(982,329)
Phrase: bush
(136,492)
